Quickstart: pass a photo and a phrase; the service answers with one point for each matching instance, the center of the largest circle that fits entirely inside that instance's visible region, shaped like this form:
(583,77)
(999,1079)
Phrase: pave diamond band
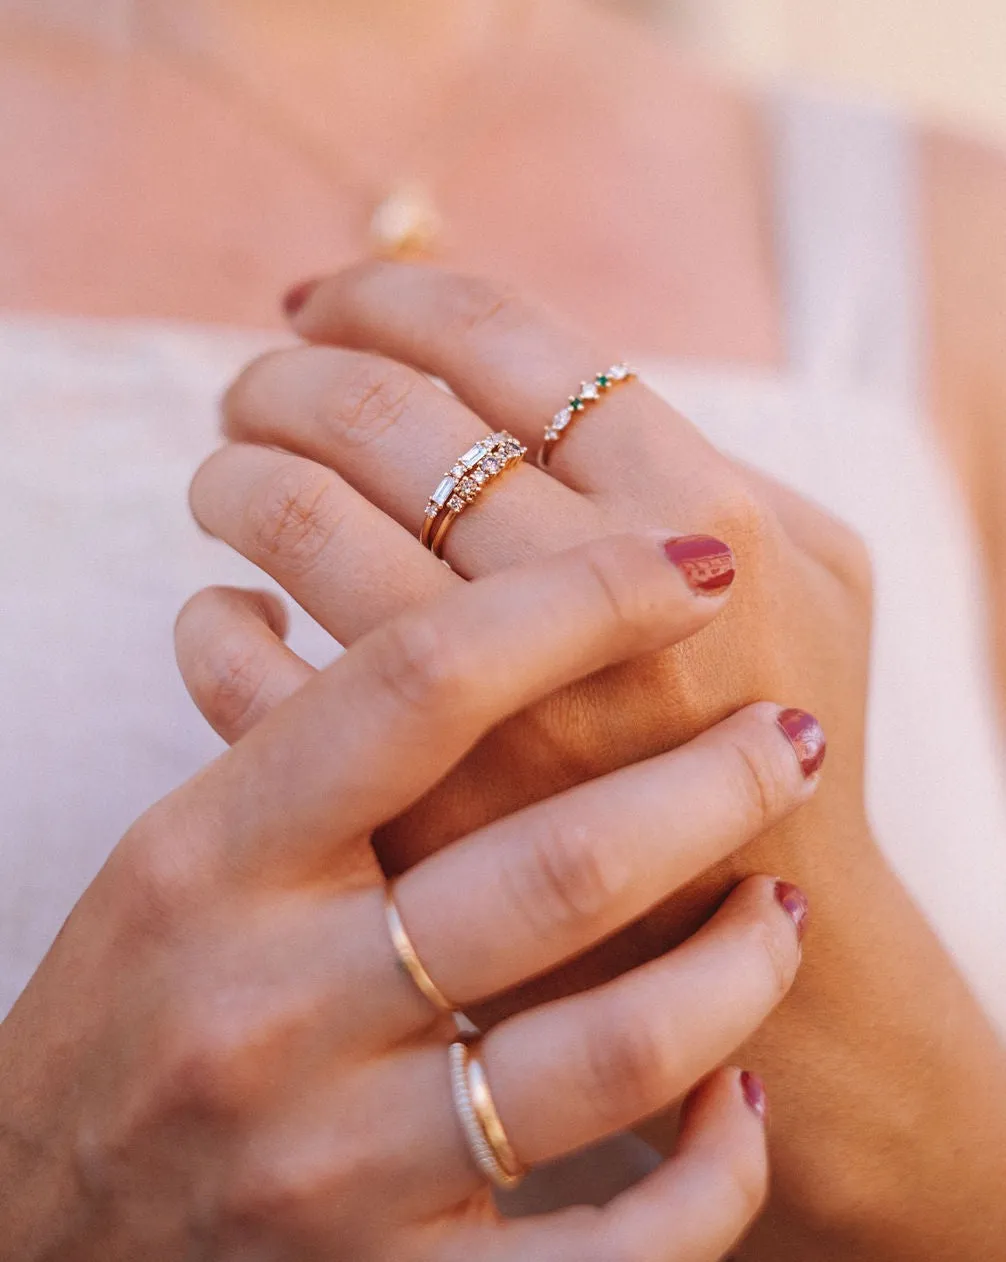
(480,1122)
(464,482)
(590,392)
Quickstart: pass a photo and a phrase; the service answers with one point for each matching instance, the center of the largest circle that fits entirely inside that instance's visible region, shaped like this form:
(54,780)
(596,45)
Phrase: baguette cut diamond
(441,495)
(472,456)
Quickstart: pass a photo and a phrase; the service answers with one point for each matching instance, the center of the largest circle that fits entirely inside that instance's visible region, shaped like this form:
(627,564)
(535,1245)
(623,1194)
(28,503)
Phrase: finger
(367,737)
(351,566)
(693,1208)
(561,876)
(572,1072)
(230,651)
(511,363)
(391,433)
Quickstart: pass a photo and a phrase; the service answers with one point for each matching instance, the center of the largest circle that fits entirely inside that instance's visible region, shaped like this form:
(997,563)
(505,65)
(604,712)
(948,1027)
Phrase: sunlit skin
(577,172)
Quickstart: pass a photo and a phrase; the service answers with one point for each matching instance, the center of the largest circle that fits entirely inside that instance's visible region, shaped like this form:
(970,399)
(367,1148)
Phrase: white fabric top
(105,422)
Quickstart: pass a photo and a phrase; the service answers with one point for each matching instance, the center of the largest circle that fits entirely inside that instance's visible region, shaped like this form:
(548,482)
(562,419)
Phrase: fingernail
(296,297)
(807,738)
(755,1094)
(706,563)
(794,903)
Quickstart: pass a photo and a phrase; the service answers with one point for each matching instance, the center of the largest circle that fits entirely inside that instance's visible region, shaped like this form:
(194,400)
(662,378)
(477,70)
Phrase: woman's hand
(221,1056)
(333,522)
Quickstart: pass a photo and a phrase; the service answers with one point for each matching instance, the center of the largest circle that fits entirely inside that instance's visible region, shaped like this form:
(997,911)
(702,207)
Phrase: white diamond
(562,419)
(618,373)
(472,456)
(440,495)
(491,465)
(480,476)
(588,390)
(467,489)
(432,510)
(455,504)
(458,471)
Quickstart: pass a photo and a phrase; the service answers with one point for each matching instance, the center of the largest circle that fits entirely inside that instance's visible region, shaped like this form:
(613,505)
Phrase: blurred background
(946,58)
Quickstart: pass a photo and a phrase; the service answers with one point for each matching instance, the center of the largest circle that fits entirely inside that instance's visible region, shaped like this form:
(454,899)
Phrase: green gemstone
(603,380)
(576,403)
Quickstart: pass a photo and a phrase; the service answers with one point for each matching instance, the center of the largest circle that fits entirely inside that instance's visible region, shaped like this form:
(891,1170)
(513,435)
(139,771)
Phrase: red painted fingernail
(296,297)
(807,738)
(706,563)
(755,1094)
(794,902)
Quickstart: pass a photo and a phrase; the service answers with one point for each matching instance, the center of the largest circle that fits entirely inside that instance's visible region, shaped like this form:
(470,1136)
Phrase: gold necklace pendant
(406,224)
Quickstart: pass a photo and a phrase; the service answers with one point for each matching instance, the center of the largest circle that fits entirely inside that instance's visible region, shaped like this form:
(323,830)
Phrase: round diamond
(458,471)
(455,504)
(480,476)
(491,465)
(432,510)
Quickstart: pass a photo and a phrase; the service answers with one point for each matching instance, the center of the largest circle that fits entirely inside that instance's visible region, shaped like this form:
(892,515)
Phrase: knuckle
(227,679)
(424,669)
(373,396)
(294,516)
(759,782)
(479,305)
(567,876)
(629,1071)
(155,874)
(270,1189)
(610,569)
(737,511)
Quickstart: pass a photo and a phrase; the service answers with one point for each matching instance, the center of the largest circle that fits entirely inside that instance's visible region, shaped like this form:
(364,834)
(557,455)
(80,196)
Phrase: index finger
(513,364)
(368,737)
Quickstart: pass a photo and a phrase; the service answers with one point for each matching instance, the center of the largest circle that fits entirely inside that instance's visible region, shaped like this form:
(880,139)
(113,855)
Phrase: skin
(717,263)
(876,1056)
(226,1060)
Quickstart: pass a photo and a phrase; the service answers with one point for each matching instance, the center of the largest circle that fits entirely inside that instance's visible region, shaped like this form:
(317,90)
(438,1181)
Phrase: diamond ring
(589,393)
(481,464)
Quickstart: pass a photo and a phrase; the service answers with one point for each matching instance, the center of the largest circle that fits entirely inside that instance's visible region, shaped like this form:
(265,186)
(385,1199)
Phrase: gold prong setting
(465,481)
(590,392)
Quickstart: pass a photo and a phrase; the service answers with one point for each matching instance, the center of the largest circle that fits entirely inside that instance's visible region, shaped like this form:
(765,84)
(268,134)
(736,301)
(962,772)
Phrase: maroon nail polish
(794,902)
(807,738)
(706,563)
(755,1094)
(296,297)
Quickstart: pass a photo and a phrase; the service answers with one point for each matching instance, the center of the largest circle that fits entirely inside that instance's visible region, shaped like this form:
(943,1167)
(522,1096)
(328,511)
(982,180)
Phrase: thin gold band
(480,465)
(487,1140)
(590,392)
(409,961)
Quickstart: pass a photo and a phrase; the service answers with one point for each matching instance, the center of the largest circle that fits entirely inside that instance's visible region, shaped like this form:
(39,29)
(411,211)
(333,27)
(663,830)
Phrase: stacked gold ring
(461,486)
(408,959)
(590,392)
(480,1121)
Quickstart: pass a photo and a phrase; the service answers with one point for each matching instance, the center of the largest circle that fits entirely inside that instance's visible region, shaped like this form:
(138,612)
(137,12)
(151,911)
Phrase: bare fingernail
(295,298)
(755,1094)
(706,563)
(807,737)
(794,902)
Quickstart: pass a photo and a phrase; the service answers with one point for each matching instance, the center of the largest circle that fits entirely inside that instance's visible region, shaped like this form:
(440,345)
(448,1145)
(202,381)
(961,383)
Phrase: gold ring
(408,961)
(487,1140)
(481,464)
(589,393)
